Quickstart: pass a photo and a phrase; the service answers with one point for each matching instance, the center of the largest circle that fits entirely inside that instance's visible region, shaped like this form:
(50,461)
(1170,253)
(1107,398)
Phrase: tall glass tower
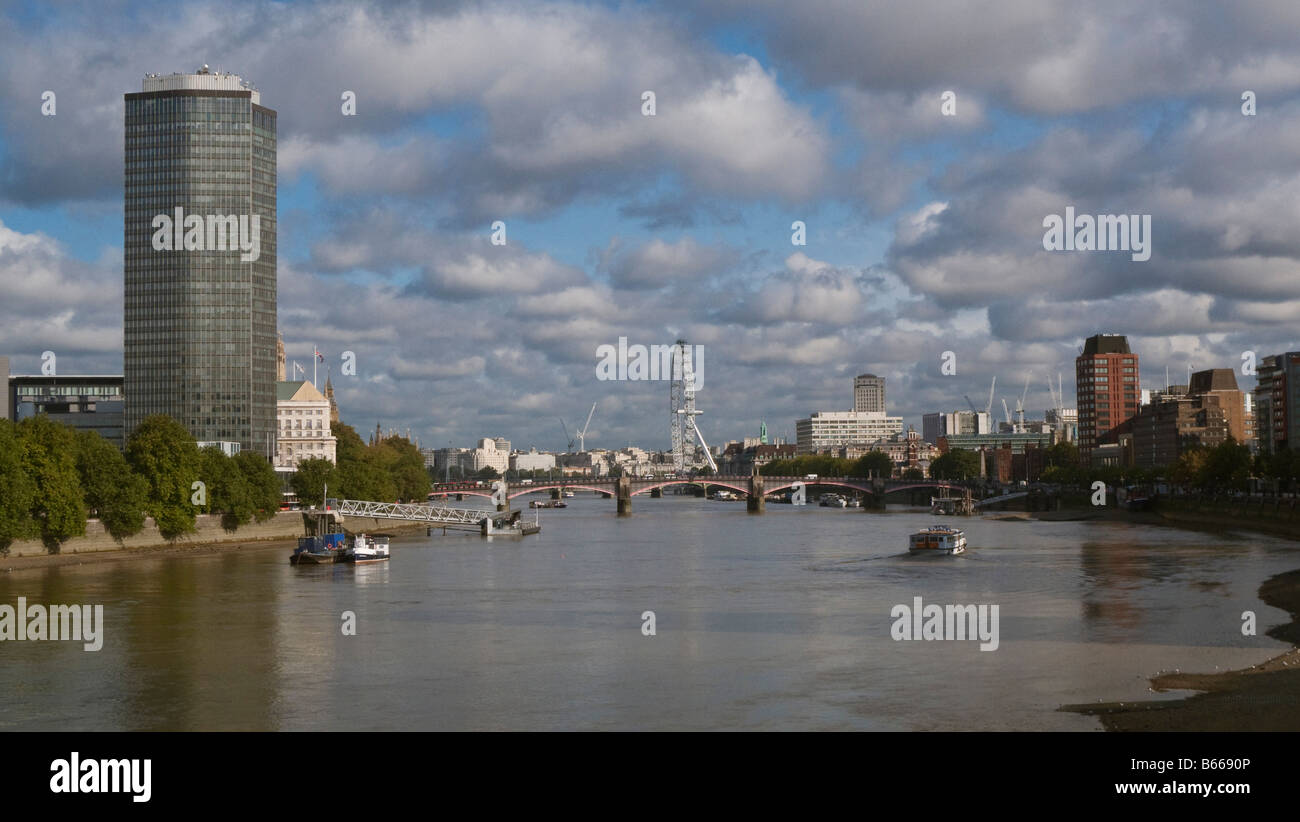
(200,307)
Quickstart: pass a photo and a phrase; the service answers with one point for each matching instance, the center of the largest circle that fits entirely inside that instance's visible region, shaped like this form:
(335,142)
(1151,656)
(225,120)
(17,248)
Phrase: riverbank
(279,535)
(1265,697)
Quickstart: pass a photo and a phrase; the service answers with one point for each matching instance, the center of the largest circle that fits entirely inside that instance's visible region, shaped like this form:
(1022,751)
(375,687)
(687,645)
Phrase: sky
(924,230)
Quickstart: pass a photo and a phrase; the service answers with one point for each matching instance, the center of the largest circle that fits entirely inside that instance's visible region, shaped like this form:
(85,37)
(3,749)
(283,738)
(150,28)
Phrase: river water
(780,621)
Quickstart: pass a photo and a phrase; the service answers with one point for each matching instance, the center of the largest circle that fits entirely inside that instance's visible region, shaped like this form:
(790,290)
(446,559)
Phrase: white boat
(569,494)
(938,539)
(366,549)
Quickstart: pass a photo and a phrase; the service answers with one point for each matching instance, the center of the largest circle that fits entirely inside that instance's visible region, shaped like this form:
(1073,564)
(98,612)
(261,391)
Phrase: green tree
(1189,468)
(16,490)
(49,458)
(1227,466)
(957,464)
(263,484)
(113,493)
(227,492)
(913,473)
(405,464)
(313,477)
(166,456)
(487,472)
(875,463)
(1062,454)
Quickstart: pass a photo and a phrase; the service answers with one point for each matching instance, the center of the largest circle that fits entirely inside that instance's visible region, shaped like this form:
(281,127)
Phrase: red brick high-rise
(1107,389)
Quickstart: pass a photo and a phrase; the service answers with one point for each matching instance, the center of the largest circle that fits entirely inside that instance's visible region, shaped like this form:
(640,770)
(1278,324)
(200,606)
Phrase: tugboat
(325,540)
(938,539)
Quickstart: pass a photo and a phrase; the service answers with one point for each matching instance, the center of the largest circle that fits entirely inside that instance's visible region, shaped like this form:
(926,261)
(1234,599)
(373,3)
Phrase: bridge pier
(460,498)
(505,496)
(557,493)
(624,488)
(875,501)
(756,502)
(656,493)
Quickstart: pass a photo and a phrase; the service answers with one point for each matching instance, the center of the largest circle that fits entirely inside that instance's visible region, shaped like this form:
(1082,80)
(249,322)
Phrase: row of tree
(387,470)
(53,478)
(1227,466)
(875,463)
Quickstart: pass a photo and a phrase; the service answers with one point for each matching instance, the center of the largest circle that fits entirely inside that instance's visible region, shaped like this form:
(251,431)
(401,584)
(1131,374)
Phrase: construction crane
(1007,411)
(582,435)
(566,433)
(971,404)
(1020,404)
(988,409)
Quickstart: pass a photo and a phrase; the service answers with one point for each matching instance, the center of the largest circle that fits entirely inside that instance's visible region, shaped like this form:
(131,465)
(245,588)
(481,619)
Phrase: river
(779,621)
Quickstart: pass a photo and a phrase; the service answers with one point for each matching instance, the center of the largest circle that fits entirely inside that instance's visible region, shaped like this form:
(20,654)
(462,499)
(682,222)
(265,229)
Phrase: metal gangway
(1003,498)
(468,519)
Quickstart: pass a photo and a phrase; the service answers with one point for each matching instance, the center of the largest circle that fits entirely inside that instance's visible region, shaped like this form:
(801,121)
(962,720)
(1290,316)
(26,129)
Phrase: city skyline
(922,236)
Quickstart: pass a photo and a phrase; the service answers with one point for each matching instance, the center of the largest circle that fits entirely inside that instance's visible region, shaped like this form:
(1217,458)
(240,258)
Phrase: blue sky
(923,231)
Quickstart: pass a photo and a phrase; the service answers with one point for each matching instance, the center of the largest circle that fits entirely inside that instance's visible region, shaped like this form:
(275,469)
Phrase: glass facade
(200,325)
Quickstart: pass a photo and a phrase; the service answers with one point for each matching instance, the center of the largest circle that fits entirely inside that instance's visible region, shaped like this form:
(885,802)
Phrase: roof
(297,391)
(1213,379)
(1106,344)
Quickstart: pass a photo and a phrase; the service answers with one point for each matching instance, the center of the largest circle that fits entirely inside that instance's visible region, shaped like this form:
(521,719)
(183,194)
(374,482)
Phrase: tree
(113,493)
(312,479)
(913,473)
(875,463)
(1227,465)
(487,472)
(1062,454)
(49,458)
(227,491)
(1189,467)
(16,490)
(263,484)
(405,464)
(957,464)
(166,456)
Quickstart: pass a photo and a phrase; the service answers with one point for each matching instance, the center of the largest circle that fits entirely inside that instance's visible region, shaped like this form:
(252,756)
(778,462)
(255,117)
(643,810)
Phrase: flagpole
(315,358)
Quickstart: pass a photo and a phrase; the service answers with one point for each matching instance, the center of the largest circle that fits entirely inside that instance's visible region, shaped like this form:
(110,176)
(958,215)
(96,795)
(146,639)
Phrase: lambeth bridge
(754,487)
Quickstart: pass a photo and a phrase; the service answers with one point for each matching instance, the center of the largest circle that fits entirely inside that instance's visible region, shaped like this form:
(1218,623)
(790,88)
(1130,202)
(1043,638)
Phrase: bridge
(755,487)
(465,519)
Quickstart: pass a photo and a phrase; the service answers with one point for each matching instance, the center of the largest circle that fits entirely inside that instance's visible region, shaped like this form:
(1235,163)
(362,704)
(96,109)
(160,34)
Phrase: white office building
(827,429)
(934,426)
(302,425)
(531,460)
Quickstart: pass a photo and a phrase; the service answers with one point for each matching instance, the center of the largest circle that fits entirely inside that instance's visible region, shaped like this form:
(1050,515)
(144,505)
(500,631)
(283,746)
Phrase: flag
(319,356)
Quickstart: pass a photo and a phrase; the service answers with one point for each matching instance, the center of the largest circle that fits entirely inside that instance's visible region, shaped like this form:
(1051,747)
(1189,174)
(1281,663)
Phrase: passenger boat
(325,540)
(558,503)
(569,494)
(366,549)
(938,539)
(833,501)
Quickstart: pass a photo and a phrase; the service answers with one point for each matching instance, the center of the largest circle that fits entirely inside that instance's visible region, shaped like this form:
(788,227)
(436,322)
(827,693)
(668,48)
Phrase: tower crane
(582,435)
(1020,404)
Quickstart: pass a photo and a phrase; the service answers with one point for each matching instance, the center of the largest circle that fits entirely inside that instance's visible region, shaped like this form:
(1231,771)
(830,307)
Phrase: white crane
(988,409)
(582,434)
(1007,411)
(1020,405)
